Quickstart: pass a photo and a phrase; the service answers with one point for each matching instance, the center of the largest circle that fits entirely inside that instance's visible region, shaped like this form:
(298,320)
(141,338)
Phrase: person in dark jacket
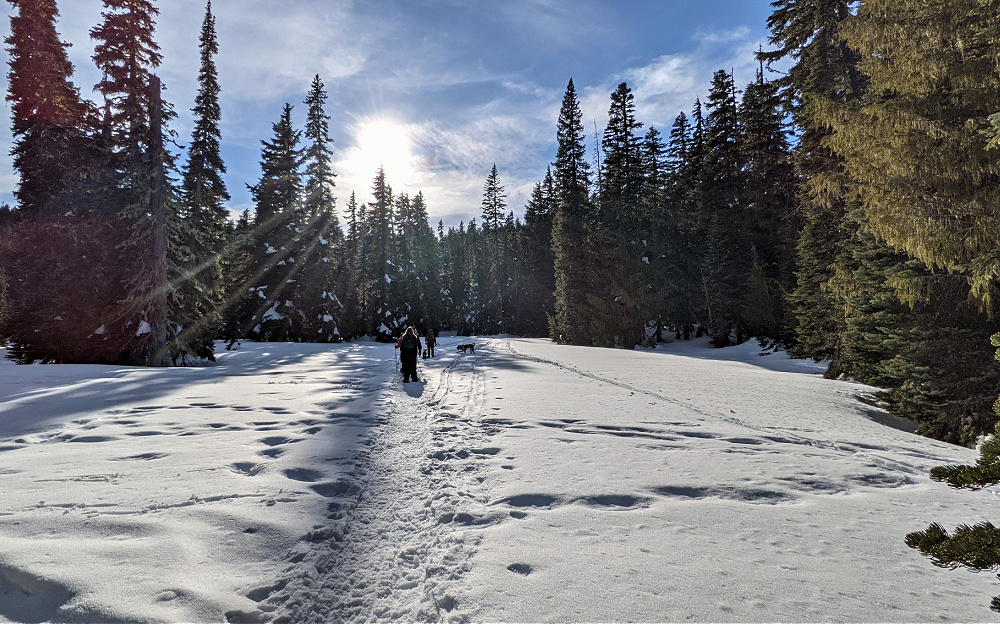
(409,348)
(430,340)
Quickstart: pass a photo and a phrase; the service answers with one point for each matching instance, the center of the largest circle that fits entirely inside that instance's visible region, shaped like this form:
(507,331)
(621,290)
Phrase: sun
(386,143)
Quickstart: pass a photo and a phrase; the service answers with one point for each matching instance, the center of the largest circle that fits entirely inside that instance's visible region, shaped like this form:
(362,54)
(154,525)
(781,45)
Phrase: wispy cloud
(472,83)
(669,84)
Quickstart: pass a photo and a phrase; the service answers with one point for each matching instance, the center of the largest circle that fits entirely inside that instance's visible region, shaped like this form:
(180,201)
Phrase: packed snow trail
(525,482)
(399,557)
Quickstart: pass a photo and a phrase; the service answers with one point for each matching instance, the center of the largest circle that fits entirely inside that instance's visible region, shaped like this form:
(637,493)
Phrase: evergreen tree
(204,195)
(319,183)
(726,257)
(380,271)
(493,213)
(278,224)
(824,70)
(682,289)
(126,53)
(569,233)
(323,242)
(975,546)
(623,169)
(352,321)
(536,261)
(771,206)
(932,191)
(51,143)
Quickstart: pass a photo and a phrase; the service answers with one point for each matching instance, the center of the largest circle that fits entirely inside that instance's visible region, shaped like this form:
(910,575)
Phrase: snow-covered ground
(524,482)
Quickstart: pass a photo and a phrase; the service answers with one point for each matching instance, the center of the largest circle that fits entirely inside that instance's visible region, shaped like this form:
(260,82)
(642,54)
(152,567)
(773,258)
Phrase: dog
(467,347)
(425,354)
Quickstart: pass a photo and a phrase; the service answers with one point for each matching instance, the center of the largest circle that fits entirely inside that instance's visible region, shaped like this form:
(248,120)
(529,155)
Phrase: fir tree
(322,244)
(623,168)
(319,175)
(536,260)
(50,120)
(379,267)
(493,211)
(126,53)
(770,204)
(824,70)
(204,190)
(278,224)
(569,234)
(975,547)
(204,195)
(932,190)
(726,257)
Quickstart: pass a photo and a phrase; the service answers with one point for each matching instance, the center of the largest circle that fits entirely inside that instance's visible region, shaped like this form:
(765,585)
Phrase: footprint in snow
(249,469)
(303,474)
(530,500)
(520,568)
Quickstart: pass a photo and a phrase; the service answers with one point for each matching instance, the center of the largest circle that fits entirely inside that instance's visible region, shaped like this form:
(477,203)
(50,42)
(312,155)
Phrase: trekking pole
(395,353)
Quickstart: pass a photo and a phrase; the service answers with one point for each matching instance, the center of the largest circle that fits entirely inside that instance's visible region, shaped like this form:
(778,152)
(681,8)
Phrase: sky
(435,91)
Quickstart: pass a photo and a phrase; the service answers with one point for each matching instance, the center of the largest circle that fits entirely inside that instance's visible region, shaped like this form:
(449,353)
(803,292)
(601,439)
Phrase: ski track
(397,550)
(771,434)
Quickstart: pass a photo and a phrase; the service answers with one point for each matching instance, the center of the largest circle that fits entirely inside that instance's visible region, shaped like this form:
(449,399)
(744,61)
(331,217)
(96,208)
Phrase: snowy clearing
(523,482)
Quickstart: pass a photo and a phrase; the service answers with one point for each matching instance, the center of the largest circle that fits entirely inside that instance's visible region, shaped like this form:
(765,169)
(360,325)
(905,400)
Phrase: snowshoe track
(399,549)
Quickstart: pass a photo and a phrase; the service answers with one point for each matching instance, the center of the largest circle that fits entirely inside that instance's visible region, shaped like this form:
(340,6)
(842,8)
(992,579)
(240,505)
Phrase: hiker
(430,340)
(409,347)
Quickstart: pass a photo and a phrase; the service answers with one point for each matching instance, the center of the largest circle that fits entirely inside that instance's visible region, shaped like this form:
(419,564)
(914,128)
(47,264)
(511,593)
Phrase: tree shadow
(35,397)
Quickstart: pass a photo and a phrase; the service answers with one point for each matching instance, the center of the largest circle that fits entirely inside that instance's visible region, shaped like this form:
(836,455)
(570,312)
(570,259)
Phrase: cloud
(669,84)
(449,161)
(472,85)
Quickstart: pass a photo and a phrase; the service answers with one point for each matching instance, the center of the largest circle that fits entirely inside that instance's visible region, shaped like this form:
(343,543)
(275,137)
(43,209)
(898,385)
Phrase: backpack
(409,342)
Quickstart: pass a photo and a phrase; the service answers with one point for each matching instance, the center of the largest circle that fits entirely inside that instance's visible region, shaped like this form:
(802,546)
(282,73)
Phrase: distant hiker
(430,340)
(409,347)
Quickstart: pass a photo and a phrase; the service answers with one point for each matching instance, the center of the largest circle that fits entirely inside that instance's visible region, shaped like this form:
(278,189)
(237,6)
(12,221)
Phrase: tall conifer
(569,234)
(203,196)
(126,54)
(49,117)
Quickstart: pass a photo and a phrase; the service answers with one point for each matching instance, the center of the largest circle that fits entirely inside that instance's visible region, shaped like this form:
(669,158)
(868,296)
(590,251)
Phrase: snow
(144,328)
(272,314)
(523,482)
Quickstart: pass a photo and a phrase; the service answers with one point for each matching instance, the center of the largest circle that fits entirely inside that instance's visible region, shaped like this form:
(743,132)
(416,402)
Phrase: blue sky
(434,90)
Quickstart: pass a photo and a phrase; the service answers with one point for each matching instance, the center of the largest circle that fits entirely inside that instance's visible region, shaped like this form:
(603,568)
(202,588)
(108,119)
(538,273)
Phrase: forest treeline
(846,210)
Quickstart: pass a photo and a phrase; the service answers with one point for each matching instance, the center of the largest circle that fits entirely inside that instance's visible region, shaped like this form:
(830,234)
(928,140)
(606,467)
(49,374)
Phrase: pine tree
(726,258)
(126,53)
(321,249)
(569,233)
(682,294)
(824,70)
(278,225)
(623,169)
(536,260)
(50,120)
(932,190)
(493,212)
(203,198)
(379,267)
(349,284)
(319,183)
(976,546)
(770,204)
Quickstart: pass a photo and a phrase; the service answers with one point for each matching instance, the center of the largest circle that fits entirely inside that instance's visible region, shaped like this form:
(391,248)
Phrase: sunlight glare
(386,143)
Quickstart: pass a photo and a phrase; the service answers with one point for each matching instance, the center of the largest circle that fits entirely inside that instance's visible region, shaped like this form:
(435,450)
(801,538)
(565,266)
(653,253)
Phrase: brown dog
(465,348)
